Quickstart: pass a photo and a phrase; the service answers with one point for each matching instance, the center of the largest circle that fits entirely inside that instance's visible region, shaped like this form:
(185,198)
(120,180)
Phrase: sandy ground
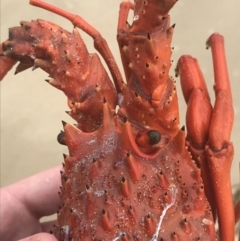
(31,111)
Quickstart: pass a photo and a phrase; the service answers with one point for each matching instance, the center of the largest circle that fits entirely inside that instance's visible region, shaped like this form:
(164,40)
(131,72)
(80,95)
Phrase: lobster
(130,173)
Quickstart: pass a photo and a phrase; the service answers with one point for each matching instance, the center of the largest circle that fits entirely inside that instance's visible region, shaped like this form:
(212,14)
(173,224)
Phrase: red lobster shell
(147,185)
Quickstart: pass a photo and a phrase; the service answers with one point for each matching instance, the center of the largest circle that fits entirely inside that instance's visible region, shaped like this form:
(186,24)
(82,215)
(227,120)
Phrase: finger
(39,193)
(40,237)
(48,226)
(15,215)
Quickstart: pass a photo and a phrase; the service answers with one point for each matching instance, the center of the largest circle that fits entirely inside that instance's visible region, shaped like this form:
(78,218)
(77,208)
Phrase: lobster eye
(154,137)
(147,138)
(149,141)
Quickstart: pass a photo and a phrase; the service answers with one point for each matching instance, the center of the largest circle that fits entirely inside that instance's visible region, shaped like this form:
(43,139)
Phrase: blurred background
(31,110)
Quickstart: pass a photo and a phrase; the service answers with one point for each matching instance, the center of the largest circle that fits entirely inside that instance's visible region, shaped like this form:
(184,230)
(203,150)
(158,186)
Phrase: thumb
(40,237)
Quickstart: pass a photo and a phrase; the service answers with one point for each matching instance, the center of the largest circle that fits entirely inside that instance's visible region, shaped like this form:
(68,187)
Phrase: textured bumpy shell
(128,175)
(110,191)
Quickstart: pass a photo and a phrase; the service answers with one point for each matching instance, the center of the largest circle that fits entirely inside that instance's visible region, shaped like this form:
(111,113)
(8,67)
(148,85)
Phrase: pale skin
(24,203)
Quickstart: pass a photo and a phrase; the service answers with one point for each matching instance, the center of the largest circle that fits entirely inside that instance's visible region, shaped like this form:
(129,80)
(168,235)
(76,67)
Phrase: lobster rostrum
(131,172)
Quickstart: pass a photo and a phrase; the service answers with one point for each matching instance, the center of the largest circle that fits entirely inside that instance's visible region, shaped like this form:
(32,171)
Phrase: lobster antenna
(100,43)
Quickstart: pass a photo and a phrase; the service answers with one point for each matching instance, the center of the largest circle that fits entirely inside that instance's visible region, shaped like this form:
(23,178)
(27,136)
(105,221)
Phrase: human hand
(23,204)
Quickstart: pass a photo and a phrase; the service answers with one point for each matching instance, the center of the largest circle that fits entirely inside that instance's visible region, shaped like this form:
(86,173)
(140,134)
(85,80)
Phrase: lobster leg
(212,129)
(198,117)
(100,43)
(219,149)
